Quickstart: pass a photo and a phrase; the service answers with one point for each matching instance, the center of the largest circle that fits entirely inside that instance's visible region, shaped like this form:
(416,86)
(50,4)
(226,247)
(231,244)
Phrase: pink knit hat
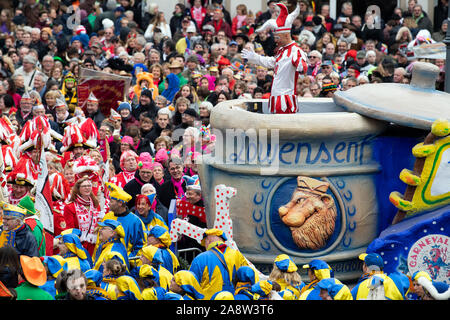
(162,155)
(128,139)
(145,161)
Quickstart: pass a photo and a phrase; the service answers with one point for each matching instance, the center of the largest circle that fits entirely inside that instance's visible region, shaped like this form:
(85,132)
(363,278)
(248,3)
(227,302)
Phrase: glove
(251,56)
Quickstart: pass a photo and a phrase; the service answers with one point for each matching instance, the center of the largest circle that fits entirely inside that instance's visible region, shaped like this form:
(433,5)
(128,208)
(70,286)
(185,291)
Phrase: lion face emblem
(311,213)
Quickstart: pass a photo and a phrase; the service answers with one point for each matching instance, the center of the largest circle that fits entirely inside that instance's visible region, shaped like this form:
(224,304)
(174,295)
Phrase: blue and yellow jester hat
(172,296)
(189,283)
(262,287)
(321,269)
(55,264)
(246,274)
(74,231)
(285,263)
(416,275)
(73,243)
(153,254)
(287,294)
(213,232)
(335,290)
(162,234)
(222,295)
(114,255)
(147,271)
(94,277)
(117,193)
(155,293)
(129,288)
(12,211)
(115,225)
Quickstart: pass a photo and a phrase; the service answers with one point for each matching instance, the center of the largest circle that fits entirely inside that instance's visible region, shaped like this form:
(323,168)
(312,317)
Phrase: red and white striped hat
(59,186)
(283,22)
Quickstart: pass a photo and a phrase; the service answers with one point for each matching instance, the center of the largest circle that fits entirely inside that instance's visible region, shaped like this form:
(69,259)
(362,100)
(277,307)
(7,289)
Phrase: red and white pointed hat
(36,133)
(72,138)
(90,132)
(283,22)
(22,174)
(59,186)
(92,97)
(9,158)
(84,164)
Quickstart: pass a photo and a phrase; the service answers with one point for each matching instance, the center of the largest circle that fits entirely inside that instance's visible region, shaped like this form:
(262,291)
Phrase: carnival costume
(114,247)
(287,63)
(216,267)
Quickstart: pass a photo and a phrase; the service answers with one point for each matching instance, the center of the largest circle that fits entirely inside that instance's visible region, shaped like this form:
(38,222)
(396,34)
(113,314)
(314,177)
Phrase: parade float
(343,176)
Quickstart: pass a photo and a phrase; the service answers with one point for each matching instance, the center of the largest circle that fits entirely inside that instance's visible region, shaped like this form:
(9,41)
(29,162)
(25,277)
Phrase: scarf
(87,216)
(146,220)
(189,172)
(128,175)
(240,21)
(15,201)
(350,39)
(197,15)
(178,187)
(217,25)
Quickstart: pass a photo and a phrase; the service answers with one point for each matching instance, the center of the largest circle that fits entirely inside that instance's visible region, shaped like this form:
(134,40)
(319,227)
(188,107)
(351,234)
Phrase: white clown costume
(288,62)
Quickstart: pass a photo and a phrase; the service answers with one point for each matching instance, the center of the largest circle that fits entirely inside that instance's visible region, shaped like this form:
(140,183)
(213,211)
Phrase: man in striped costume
(289,61)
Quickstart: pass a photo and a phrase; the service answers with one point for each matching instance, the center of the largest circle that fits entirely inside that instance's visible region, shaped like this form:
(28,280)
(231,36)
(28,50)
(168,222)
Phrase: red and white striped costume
(289,61)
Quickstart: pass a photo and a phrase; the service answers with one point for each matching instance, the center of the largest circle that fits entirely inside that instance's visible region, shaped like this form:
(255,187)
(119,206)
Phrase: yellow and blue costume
(154,255)
(394,288)
(77,257)
(246,277)
(337,291)
(189,284)
(19,238)
(114,247)
(172,296)
(262,289)
(109,282)
(150,292)
(223,295)
(133,226)
(216,267)
(321,271)
(128,289)
(170,260)
(55,265)
(94,283)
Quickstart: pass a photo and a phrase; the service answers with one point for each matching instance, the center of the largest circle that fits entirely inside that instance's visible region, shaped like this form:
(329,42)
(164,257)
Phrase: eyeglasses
(310,57)
(86,186)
